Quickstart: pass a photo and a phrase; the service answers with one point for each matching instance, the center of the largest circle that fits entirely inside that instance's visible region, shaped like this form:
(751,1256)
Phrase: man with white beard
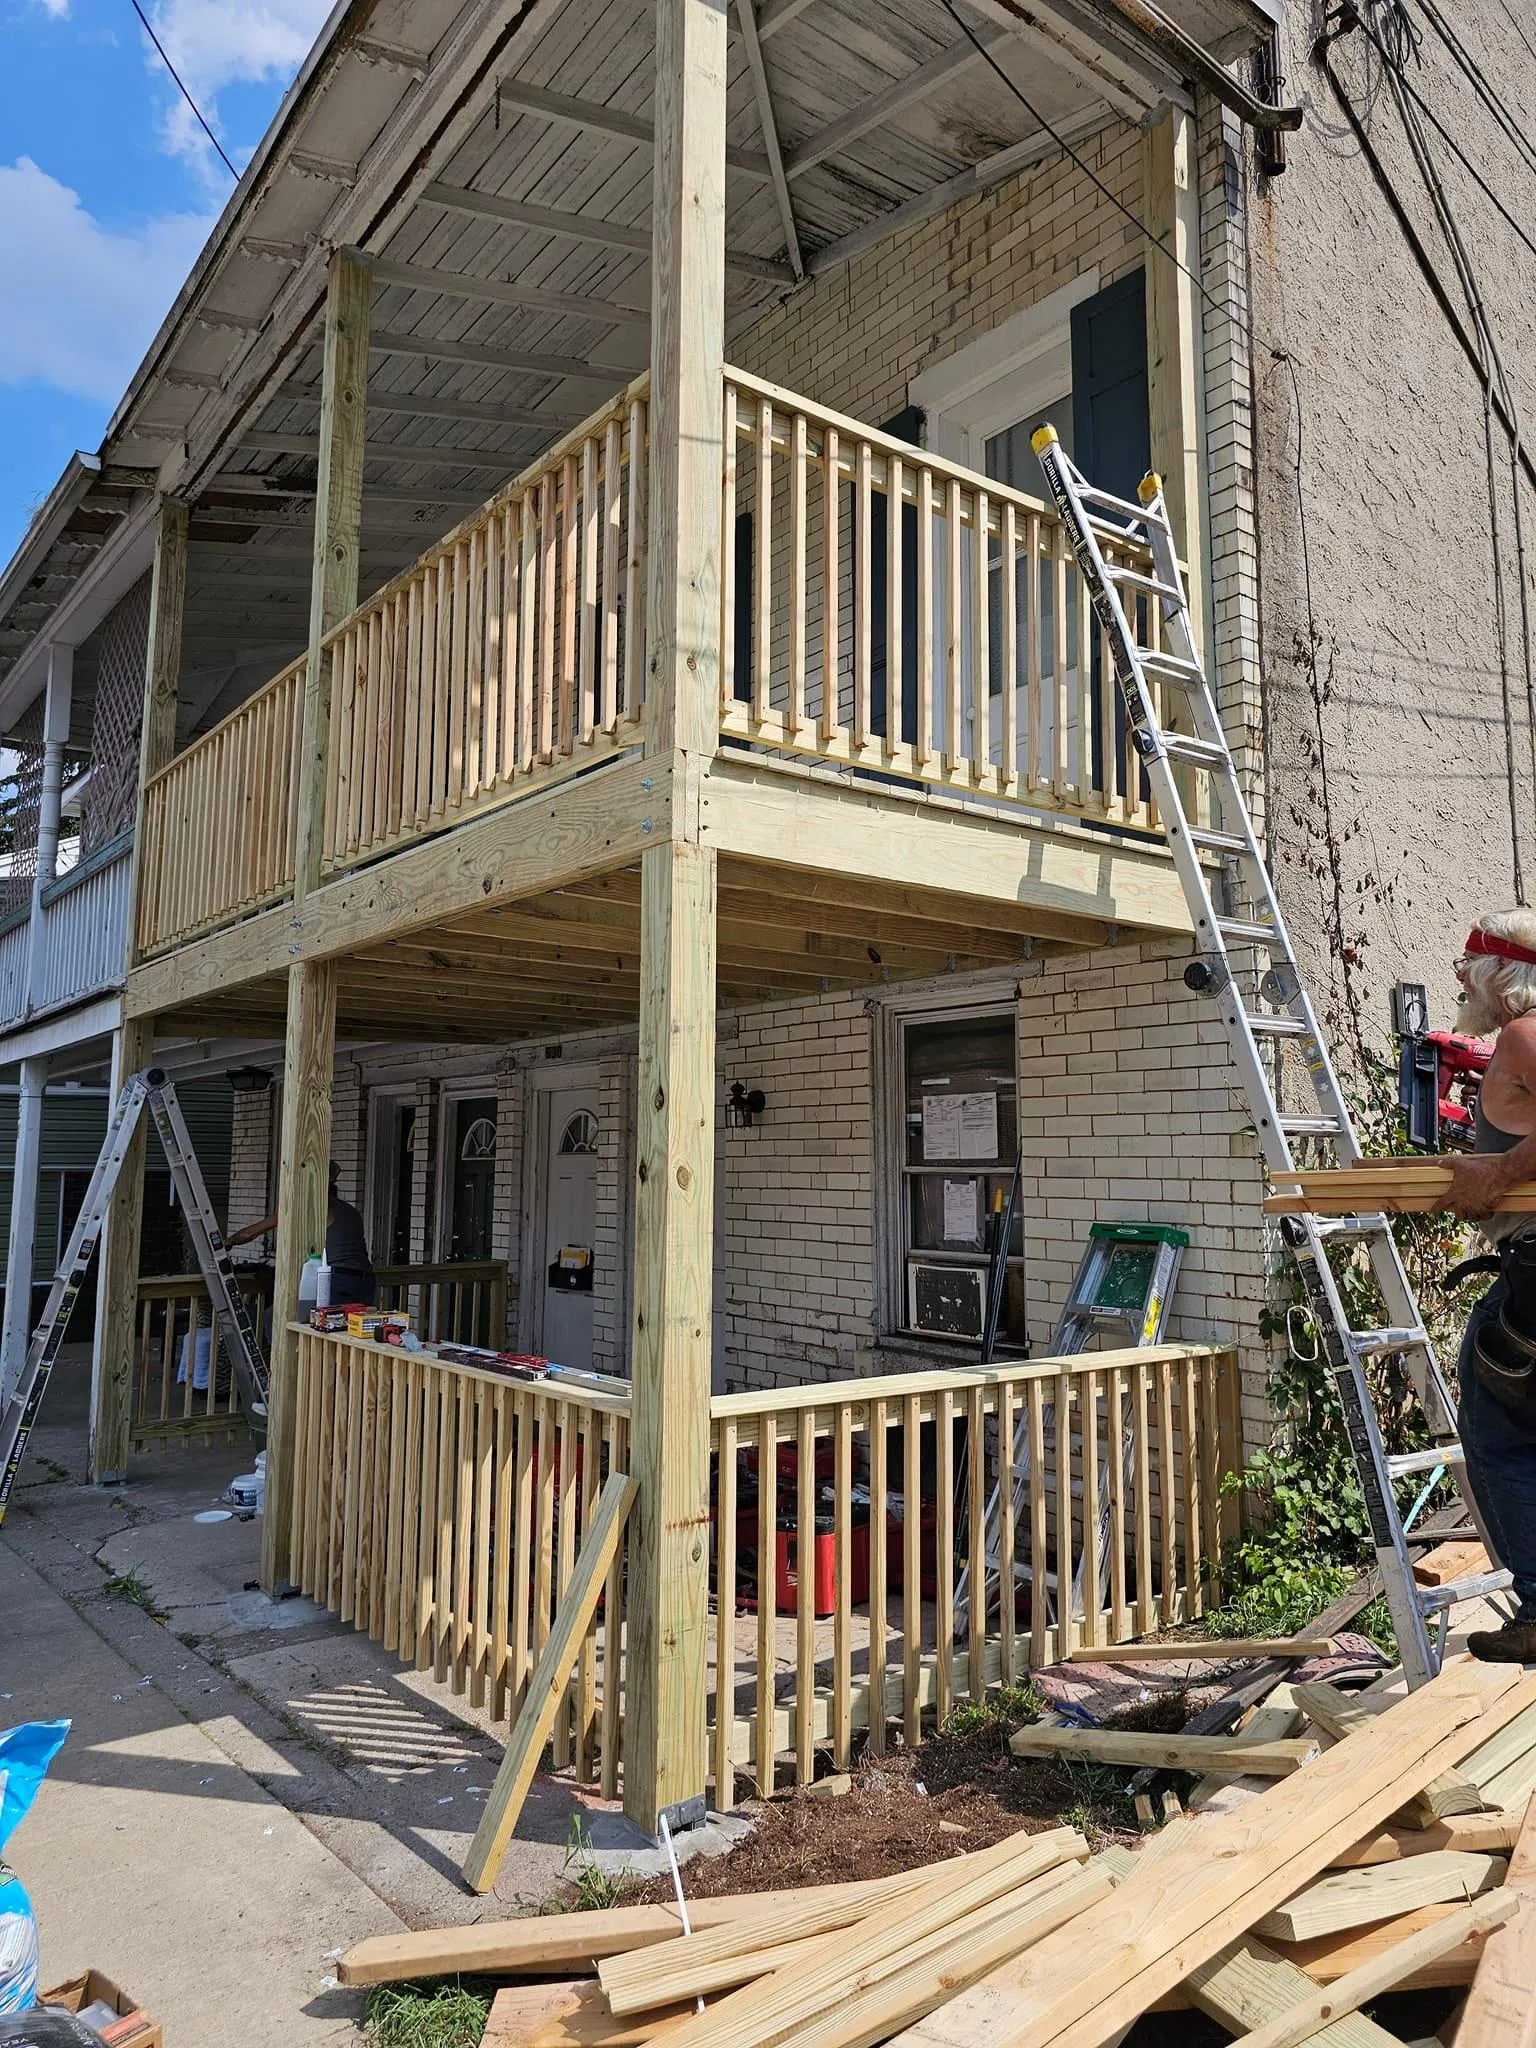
(1497,1415)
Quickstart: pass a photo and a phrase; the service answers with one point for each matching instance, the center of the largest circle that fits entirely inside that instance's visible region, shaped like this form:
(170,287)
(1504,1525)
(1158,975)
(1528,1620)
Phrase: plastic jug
(309,1286)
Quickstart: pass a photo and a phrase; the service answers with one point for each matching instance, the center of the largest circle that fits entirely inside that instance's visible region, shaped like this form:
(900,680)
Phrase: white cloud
(215,43)
(82,302)
(57,8)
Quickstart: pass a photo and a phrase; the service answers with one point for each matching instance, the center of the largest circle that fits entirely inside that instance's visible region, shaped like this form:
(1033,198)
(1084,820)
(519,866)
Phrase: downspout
(1148,22)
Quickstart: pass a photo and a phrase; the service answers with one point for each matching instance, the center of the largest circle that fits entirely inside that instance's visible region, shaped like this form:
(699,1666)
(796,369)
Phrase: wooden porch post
(310,1042)
(133,1043)
(1175,369)
(666,1660)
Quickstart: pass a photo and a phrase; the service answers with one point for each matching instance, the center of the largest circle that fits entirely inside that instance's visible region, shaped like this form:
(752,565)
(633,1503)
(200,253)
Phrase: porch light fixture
(250,1080)
(742,1105)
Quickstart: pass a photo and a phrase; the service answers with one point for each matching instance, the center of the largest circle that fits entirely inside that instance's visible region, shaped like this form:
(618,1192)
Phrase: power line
(192,103)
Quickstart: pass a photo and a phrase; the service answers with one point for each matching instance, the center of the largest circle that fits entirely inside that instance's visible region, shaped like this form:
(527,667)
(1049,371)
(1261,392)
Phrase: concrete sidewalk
(149,1855)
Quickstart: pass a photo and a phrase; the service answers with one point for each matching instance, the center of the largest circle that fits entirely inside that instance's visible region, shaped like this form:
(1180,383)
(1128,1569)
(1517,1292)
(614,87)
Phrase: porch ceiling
(496,161)
(570,959)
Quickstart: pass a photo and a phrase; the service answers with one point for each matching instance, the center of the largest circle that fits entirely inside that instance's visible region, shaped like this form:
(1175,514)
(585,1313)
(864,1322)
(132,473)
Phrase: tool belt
(1504,1351)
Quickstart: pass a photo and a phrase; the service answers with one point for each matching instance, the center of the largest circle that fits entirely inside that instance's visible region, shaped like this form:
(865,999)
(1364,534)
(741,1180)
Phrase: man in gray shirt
(346,1247)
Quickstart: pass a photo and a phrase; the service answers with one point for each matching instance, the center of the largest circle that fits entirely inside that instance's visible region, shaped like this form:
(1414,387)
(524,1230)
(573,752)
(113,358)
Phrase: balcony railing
(883,610)
(84,936)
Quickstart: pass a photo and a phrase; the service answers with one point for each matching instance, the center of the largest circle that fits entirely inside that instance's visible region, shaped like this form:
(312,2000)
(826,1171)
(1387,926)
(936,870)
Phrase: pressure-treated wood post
(310,1043)
(665,1755)
(133,1044)
(27,1161)
(1175,368)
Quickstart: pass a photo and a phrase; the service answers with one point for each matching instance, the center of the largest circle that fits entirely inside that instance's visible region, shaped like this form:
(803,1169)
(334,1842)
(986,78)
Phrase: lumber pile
(1326,1884)
(1390,1186)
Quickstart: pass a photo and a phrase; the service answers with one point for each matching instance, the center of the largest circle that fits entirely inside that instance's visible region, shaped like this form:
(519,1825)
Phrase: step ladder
(151,1089)
(1123,1287)
(1263,1004)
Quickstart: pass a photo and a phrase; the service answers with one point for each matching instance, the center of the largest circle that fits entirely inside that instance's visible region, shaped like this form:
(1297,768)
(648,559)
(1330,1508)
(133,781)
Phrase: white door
(570,1222)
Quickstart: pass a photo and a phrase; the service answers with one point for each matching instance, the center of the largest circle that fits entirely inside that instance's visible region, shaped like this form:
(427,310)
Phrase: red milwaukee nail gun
(1438,1075)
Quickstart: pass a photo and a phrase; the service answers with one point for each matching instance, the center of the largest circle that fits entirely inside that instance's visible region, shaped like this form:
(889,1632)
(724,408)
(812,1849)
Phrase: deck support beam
(665,1751)
(133,1042)
(309,1047)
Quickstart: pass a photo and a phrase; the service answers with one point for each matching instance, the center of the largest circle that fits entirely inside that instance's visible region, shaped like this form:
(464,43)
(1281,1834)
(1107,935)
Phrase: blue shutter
(1111,434)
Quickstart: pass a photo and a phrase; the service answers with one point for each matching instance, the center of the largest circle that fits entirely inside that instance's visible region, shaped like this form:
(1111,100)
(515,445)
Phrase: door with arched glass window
(473,1167)
(570,1225)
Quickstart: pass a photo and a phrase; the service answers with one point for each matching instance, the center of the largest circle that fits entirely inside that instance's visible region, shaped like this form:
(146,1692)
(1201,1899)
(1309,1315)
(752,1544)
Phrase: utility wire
(192,103)
(1467,64)
(1514,22)
(1093,177)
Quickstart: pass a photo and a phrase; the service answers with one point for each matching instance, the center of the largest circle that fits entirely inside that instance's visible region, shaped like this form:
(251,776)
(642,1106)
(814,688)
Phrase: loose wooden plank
(570,2013)
(1354,1898)
(1448,1561)
(1501,2006)
(1167,1752)
(1486,1833)
(1276,1720)
(547,1686)
(1338,1715)
(1383,1973)
(1081,1985)
(1190,1649)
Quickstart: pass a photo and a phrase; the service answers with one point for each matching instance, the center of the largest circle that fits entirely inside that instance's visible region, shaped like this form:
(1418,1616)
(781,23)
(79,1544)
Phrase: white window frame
(888,1102)
(994,382)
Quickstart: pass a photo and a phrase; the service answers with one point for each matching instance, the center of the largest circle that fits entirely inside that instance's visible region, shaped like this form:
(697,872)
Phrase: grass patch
(444,2012)
(592,1889)
(1004,1710)
(1101,1804)
(138,1592)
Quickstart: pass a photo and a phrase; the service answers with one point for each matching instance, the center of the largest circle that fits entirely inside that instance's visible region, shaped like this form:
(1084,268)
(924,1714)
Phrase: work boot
(1514,1643)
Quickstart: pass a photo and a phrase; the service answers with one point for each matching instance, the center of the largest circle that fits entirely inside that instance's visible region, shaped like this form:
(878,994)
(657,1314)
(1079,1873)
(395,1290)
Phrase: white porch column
(61,671)
(18,1263)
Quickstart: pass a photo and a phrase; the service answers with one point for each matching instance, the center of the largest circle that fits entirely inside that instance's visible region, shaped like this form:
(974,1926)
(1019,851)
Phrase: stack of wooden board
(1325,1886)
(1390,1186)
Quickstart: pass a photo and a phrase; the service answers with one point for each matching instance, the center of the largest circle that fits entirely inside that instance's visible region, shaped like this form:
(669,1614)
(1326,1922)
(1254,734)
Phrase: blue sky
(108,189)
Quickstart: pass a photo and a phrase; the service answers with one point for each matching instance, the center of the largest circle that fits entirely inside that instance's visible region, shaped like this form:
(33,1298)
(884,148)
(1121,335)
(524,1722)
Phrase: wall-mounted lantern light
(742,1105)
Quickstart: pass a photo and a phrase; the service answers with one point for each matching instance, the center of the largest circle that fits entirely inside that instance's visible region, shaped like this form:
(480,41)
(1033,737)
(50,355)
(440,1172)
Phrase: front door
(474,1176)
(570,1226)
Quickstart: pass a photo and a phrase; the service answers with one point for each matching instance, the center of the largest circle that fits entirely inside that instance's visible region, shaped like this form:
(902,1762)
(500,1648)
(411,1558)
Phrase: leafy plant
(592,1888)
(138,1592)
(444,2014)
(1004,1710)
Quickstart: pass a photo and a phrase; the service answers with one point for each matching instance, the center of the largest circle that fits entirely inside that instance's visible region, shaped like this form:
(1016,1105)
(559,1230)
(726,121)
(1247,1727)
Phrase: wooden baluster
(1089,1411)
(548,619)
(381,1374)
(1168,1491)
(1066,1555)
(353,1500)
(544,1536)
(458,679)
(369,636)
(842,1620)
(634,613)
(303,1454)
(569,1495)
(894,516)
(613,1629)
(474,661)
(879,1540)
(944,1554)
(409,693)
(613,535)
(586,1676)
(767,1596)
(1007,1535)
(463,1533)
(980,747)
(1109,691)
(448,1420)
(510,640)
(407,1557)
(762,594)
(728,481)
(1060,779)
(805,1597)
(391,821)
(863,596)
(1145,1602)
(570,630)
(725,1614)
(1190,1432)
(503,1560)
(1008,662)
(925,706)
(425,1603)
(1082,776)
(318,1569)
(492,700)
(446,757)
(954,647)
(1034,681)
(340,769)
(1039,1590)
(799,723)
(523,1558)
(528,630)
(588,637)
(480,1649)
(1120,1621)
(976,1542)
(831,582)
(912,1571)
(1210,1460)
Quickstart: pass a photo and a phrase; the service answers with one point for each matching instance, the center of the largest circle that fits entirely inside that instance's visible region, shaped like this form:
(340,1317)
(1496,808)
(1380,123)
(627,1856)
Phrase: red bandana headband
(1479,941)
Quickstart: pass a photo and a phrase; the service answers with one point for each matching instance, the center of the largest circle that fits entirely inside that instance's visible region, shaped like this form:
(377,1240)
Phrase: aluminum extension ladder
(152,1088)
(1124,1282)
(1267,1005)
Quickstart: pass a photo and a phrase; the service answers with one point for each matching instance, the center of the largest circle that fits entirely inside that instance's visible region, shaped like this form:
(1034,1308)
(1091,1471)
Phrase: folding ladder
(1265,1005)
(152,1089)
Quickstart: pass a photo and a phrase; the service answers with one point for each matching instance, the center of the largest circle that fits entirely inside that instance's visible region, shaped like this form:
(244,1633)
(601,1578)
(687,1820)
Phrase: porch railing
(428,1511)
(884,608)
(460,1301)
(182,1389)
(84,936)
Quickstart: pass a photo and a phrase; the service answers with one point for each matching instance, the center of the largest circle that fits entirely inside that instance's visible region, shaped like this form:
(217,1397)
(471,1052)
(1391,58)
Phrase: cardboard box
(134,2027)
